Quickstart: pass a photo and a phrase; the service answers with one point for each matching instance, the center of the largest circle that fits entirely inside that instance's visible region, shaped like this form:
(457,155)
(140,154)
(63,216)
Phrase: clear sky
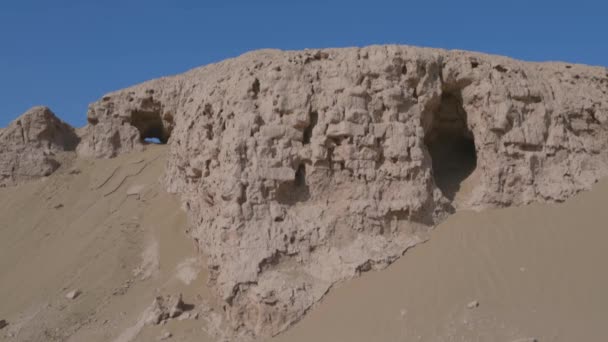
(68,53)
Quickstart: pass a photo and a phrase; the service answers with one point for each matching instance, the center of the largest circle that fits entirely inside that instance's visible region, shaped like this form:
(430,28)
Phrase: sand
(107,229)
(103,227)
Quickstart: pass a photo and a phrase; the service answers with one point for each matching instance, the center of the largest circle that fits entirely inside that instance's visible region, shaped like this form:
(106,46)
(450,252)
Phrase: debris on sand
(74,171)
(176,307)
(473,304)
(165,308)
(165,336)
(135,190)
(73,294)
(156,313)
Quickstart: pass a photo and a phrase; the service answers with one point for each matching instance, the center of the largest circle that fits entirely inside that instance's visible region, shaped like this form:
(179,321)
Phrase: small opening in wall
(314,118)
(155,141)
(152,129)
(451,145)
(296,190)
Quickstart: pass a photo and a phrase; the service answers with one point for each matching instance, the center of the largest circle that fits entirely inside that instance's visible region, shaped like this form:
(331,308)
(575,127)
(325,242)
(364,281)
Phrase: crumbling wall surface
(118,122)
(29,146)
(301,169)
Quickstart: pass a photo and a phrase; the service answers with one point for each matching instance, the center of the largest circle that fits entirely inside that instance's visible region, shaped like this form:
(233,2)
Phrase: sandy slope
(79,229)
(536,271)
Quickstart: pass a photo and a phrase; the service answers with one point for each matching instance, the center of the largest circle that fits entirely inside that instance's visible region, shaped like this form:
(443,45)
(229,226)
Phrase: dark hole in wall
(255,88)
(294,191)
(300,180)
(451,145)
(314,118)
(152,129)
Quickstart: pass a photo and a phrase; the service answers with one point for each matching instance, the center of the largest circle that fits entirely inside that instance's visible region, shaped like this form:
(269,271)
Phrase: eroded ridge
(30,145)
(302,169)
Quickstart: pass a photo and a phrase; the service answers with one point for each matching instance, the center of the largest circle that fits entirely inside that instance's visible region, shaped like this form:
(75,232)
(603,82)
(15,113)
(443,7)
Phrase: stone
(176,306)
(165,336)
(31,145)
(164,308)
(3,324)
(73,294)
(301,169)
(279,173)
(184,316)
(473,304)
(156,313)
(345,129)
(135,190)
(74,171)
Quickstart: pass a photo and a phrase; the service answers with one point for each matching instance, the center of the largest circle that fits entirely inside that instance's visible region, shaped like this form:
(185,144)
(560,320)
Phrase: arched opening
(451,145)
(152,129)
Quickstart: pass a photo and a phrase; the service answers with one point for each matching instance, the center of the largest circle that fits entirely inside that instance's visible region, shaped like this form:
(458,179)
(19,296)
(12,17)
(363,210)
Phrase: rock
(30,145)
(73,294)
(74,171)
(3,324)
(165,336)
(302,169)
(184,316)
(176,306)
(164,308)
(345,129)
(279,173)
(156,313)
(473,304)
(135,190)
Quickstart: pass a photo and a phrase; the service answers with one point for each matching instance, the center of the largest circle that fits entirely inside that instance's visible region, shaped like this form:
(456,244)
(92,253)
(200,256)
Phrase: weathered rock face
(120,122)
(302,169)
(28,146)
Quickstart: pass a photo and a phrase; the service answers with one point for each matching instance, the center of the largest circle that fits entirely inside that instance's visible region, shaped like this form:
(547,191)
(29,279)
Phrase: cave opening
(294,191)
(152,129)
(451,145)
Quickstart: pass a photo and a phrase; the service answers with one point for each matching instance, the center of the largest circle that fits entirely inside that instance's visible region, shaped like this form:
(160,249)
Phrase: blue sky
(68,53)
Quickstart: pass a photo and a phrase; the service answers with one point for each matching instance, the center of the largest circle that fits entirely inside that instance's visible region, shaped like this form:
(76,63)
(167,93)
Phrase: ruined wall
(29,146)
(302,169)
(120,121)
